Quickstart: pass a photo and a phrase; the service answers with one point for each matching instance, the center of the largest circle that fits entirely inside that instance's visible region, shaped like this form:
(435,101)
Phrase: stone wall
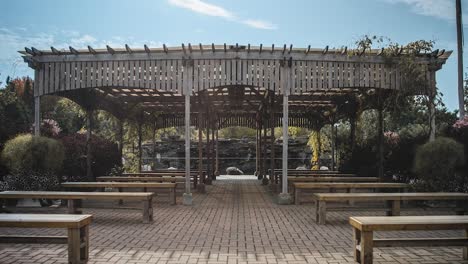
(238,153)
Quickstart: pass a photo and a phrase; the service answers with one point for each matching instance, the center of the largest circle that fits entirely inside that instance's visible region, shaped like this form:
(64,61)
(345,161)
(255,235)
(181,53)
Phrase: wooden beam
(73,50)
(110,50)
(92,50)
(55,51)
(129,50)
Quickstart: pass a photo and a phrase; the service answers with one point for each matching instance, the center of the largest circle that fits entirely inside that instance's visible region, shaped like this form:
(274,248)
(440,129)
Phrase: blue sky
(299,22)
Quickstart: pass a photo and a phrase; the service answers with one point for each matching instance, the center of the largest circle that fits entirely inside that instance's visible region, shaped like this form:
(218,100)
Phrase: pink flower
(392,138)
(460,124)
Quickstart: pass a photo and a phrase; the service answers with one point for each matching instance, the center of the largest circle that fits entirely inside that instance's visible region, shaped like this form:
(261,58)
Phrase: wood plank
(44,220)
(75,195)
(395,223)
(420,242)
(22,239)
(118,185)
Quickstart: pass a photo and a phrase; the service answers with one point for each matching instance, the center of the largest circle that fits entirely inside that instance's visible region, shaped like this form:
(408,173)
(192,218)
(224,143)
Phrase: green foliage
(105,156)
(437,165)
(69,116)
(15,116)
(237,132)
(130,163)
(27,153)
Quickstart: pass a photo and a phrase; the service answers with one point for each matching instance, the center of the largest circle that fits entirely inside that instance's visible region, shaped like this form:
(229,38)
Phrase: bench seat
(300,187)
(363,228)
(393,200)
(120,185)
(74,198)
(77,237)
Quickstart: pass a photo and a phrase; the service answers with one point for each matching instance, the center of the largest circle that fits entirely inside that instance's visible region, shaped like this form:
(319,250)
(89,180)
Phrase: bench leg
(461,207)
(321,212)
(74,251)
(73,207)
(297,193)
(172,196)
(148,211)
(350,202)
(120,200)
(367,247)
(394,208)
(465,249)
(357,243)
(84,238)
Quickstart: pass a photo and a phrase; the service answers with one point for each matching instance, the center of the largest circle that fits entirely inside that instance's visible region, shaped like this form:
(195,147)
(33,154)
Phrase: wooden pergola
(217,86)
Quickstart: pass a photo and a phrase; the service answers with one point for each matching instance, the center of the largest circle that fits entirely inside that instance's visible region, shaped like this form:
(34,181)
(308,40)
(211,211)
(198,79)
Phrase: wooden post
(213,154)
(352,134)
(37,115)
(461,102)
(272,141)
(265,158)
(140,149)
(217,154)
(200,152)
(187,91)
(260,152)
(333,139)
(120,138)
(380,137)
(257,147)
(89,160)
(432,119)
(208,153)
(155,129)
(286,72)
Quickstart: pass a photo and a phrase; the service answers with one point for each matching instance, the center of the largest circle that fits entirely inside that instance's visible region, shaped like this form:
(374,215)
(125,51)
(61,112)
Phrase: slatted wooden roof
(232,82)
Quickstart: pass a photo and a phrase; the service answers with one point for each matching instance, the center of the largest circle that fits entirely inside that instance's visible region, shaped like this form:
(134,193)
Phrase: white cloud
(203,8)
(443,9)
(208,9)
(260,24)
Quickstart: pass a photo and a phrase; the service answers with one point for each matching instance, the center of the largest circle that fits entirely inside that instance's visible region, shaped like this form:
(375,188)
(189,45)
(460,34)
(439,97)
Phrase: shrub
(27,153)
(31,181)
(105,156)
(438,166)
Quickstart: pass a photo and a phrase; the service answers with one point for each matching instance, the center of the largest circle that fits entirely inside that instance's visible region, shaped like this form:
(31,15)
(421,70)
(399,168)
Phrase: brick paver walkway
(235,222)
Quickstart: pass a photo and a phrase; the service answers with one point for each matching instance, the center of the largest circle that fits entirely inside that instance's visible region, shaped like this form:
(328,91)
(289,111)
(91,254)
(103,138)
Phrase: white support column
(284,197)
(187,91)
(37,115)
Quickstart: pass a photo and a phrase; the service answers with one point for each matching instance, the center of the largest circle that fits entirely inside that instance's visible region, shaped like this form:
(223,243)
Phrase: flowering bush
(461,124)
(50,128)
(392,138)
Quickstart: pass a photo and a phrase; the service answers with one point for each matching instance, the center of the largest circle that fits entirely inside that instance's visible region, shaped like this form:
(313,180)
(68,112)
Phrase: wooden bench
(393,201)
(365,226)
(77,226)
(300,187)
(141,179)
(332,179)
(74,199)
(161,174)
(120,185)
